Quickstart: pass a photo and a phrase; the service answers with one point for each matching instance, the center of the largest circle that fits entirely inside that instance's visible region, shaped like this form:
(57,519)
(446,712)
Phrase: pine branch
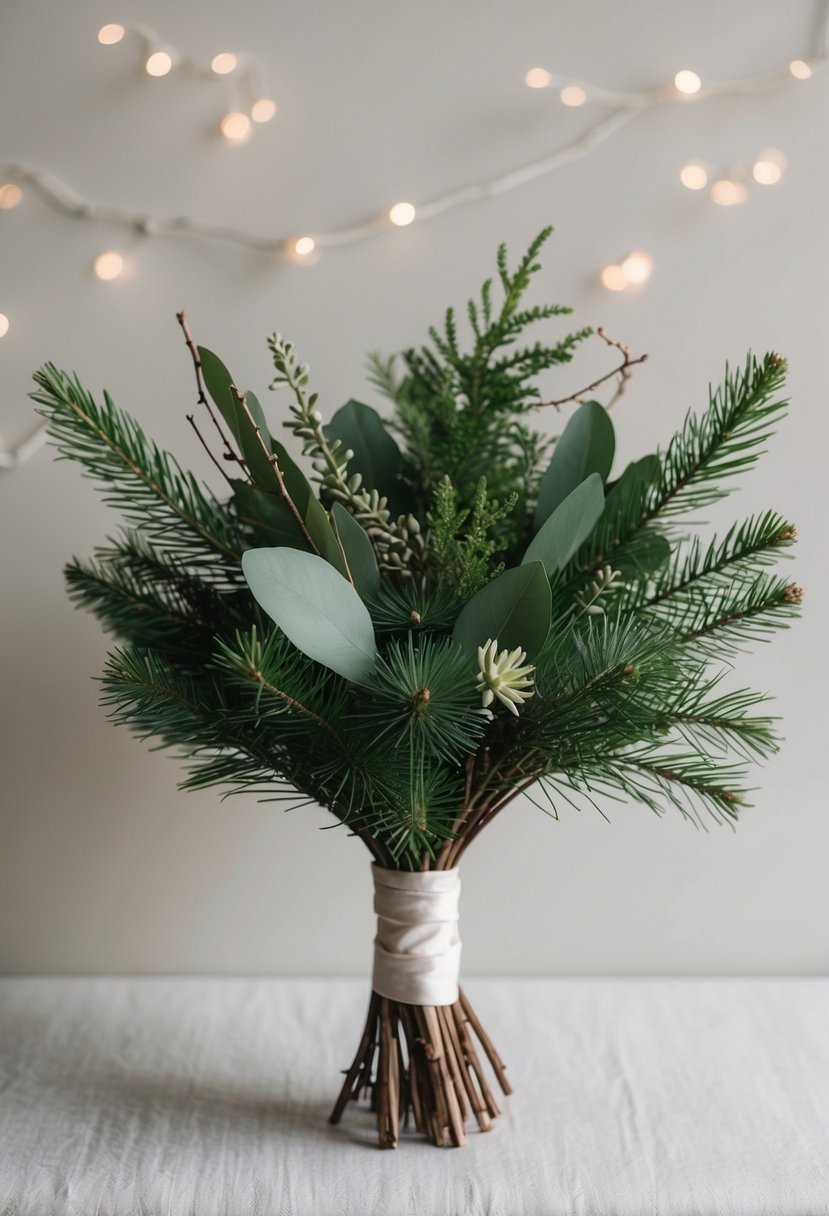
(143,599)
(727,439)
(723,618)
(738,556)
(181,516)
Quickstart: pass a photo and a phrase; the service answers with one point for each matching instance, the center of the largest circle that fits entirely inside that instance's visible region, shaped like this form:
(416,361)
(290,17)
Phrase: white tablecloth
(192,1097)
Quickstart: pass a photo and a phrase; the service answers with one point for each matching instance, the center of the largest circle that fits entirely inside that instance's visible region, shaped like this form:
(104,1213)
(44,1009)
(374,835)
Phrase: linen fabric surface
(417,950)
(192,1097)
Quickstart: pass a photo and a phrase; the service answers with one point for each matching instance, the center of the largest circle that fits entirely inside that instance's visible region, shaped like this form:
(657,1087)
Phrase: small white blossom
(502,676)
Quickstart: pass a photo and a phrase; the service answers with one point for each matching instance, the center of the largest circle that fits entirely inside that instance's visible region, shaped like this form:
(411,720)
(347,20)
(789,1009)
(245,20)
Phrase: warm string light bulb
(402,214)
(263,110)
(725,192)
(10,196)
(687,82)
(637,267)
(572,95)
(633,270)
(694,176)
(304,245)
(614,278)
(537,78)
(224,63)
(235,127)
(800,69)
(158,64)
(108,265)
(108,35)
(4,325)
(767,170)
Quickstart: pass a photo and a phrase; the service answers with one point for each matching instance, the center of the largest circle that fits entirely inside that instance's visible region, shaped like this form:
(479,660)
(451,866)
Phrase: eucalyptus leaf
(376,455)
(514,609)
(315,607)
(218,381)
(269,514)
(587,445)
(358,550)
(568,527)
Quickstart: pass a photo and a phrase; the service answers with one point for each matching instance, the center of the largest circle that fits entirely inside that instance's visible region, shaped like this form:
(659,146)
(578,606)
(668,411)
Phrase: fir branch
(146,484)
(727,439)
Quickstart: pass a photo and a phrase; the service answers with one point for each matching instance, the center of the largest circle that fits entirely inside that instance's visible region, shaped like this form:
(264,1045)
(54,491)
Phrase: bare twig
(191,419)
(623,371)
(202,397)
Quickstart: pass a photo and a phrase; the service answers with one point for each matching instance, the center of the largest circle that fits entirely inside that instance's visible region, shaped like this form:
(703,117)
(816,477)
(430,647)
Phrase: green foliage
(462,540)
(180,515)
(586,446)
(387,570)
(461,412)
(315,607)
(422,697)
(514,610)
(567,527)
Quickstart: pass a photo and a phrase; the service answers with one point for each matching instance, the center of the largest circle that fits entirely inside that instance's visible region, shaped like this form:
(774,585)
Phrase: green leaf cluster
(316,638)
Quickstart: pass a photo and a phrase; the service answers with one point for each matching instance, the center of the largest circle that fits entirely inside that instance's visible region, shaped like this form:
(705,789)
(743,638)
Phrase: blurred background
(104,866)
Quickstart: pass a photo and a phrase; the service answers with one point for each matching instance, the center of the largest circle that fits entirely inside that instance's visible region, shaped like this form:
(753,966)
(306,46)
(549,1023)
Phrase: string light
(766,172)
(637,267)
(631,271)
(800,69)
(108,35)
(402,214)
(247,78)
(224,63)
(687,82)
(158,64)
(572,95)
(10,196)
(235,127)
(627,106)
(727,193)
(694,176)
(263,110)
(537,78)
(108,265)
(304,245)
(614,278)
(4,325)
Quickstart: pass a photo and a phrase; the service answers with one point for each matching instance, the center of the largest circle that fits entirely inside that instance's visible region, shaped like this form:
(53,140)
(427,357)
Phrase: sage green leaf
(218,381)
(358,550)
(376,455)
(315,607)
(269,514)
(514,609)
(587,445)
(568,527)
(319,526)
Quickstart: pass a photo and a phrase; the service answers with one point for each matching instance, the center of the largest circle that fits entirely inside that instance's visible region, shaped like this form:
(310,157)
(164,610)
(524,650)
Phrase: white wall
(103,865)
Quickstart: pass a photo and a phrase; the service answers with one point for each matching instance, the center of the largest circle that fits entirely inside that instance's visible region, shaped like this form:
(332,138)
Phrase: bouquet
(451,610)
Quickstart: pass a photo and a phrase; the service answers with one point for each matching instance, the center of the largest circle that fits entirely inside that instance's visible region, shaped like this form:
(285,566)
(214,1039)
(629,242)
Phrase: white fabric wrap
(417,950)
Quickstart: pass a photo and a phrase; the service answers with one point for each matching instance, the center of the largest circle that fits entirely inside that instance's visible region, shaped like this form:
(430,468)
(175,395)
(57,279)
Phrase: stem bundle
(420,1061)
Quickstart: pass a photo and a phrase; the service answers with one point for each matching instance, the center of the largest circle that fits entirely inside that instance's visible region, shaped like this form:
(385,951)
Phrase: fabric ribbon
(417,950)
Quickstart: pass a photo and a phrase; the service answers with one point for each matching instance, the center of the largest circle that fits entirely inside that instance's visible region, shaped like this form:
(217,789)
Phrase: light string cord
(628,106)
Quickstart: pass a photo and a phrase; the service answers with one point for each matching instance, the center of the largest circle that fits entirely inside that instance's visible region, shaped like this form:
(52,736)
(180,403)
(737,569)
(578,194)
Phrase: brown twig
(201,395)
(623,371)
(191,419)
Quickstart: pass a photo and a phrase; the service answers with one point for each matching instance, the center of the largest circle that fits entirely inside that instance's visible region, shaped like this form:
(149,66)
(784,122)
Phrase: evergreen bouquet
(452,611)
